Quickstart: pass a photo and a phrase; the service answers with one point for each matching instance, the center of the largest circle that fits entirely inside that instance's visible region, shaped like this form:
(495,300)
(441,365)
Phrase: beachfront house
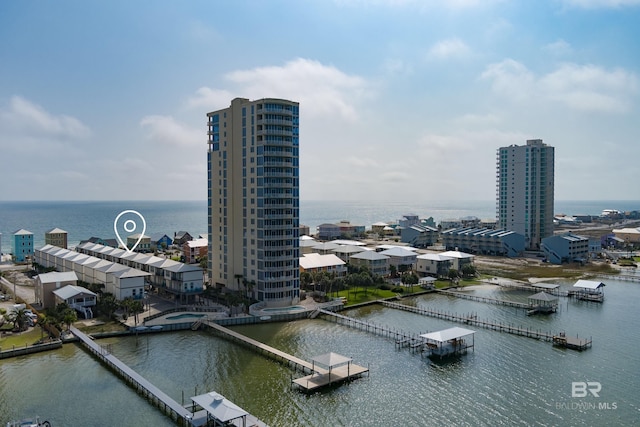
(181,237)
(22,245)
(56,237)
(160,241)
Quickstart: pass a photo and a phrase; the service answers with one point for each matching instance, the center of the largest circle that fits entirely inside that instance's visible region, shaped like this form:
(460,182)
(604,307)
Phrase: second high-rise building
(525,186)
(253,194)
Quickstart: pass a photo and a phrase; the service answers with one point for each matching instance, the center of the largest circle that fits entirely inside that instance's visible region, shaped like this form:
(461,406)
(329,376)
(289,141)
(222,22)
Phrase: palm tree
(19,319)
(69,316)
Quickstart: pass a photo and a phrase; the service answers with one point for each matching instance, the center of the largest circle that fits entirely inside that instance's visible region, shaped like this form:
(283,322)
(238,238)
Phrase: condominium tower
(253,193)
(525,190)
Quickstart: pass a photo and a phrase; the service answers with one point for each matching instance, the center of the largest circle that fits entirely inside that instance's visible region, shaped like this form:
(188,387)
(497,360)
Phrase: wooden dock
(484,299)
(156,396)
(402,338)
(280,356)
(576,343)
(473,320)
(318,377)
(531,288)
(318,380)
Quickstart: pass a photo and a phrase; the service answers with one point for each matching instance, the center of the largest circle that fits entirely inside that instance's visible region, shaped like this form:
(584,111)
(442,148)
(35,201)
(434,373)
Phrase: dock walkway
(279,355)
(484,299)
(532,288)
(318,377)
(144,387)
(402,338)
(473,320)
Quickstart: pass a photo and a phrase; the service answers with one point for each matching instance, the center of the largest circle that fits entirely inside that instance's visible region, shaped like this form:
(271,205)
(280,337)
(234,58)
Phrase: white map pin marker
(129,226)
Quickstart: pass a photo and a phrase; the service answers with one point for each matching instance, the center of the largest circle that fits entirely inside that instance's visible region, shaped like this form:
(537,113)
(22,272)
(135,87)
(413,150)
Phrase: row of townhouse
(484,241)
(120,280)
(182,281)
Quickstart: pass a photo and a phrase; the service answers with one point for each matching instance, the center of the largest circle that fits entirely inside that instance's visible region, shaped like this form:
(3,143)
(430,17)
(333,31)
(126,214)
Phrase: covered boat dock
(588,290)
(448,342)
(335,368)
(542,302)
(216,410)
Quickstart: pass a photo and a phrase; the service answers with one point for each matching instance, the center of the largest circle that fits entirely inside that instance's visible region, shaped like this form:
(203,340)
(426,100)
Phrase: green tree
(305,279)
(69,316)
(468,270)
(132,307)
(393,270)
(107,304)
(19,319)
(410,279)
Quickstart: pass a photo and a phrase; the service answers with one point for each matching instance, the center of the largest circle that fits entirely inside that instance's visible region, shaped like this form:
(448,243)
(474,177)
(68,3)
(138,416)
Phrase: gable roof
(56,231)
(22,232)
(308,261)
(55,276)
(448,334)
(369,256)
(71,291)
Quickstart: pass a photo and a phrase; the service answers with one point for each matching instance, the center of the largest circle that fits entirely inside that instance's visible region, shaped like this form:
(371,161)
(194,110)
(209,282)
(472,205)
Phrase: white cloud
(26,118)
(488,119)
(210,99)
(600,4)
(322,90)
(396,66)
(580,87)
(590,88)
(510,79)
(166,130)
(558,48)
(449,48)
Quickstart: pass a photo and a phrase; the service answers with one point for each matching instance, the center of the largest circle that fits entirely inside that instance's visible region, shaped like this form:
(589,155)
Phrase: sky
(399,99)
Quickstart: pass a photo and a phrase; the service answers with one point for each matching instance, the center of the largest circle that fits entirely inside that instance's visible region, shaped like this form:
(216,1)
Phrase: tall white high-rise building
(254,199)
(525,190)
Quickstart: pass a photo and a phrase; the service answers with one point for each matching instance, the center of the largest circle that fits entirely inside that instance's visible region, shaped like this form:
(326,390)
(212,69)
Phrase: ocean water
(506,380)
(87,219)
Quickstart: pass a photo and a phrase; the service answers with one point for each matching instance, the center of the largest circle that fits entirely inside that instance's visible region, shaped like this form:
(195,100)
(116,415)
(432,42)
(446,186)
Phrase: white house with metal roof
(331,263)
(459,259)
(435,265)
(376,262)
(401,257)
(79,298)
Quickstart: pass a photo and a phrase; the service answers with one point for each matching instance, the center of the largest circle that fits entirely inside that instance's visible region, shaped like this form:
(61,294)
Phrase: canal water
(506,380)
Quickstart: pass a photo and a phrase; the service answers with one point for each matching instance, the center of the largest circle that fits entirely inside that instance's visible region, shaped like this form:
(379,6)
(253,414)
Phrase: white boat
(29,422)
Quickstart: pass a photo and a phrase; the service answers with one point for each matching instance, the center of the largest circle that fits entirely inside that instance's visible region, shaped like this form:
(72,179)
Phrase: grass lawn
(568,271)
(27,338)
(107,326)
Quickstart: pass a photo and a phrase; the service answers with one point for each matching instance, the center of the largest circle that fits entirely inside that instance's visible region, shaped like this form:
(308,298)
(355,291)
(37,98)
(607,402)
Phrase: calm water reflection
(507,380)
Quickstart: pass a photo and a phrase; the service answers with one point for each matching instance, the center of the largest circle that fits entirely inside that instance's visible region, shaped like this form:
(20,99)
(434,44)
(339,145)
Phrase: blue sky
(399,99)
